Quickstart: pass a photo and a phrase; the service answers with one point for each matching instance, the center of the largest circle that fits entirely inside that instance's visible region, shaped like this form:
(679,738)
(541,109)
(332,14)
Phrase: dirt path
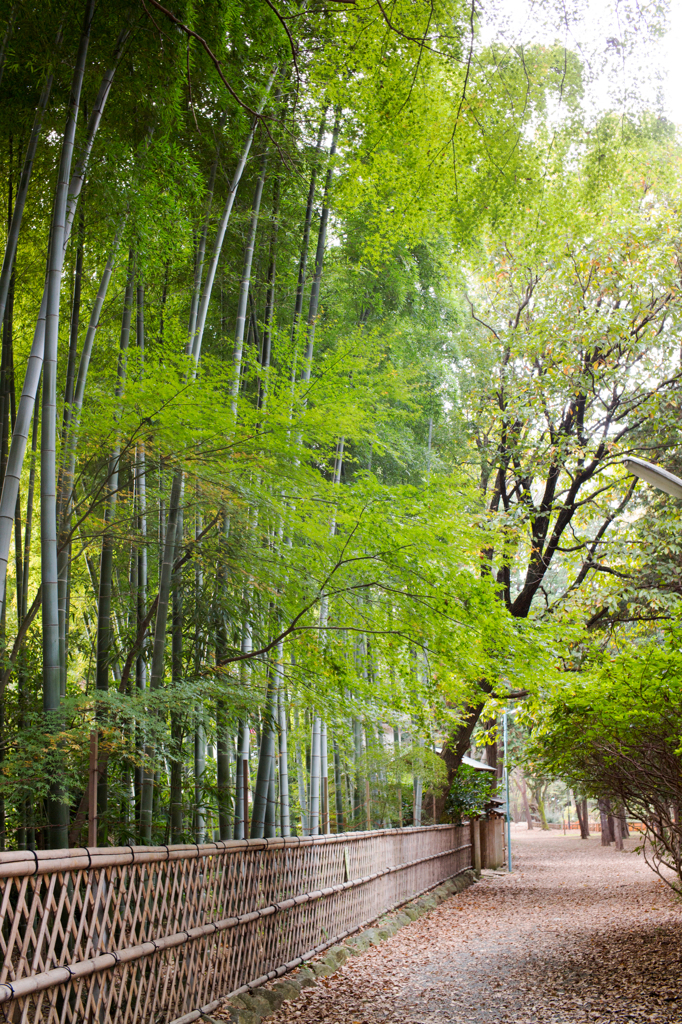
(578,932)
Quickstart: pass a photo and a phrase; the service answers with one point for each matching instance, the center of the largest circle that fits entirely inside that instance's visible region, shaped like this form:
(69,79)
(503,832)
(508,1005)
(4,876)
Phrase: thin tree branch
(216,62)
(291,41)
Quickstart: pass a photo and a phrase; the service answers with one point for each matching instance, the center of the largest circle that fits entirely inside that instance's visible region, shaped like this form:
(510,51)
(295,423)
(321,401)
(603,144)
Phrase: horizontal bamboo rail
(132,934)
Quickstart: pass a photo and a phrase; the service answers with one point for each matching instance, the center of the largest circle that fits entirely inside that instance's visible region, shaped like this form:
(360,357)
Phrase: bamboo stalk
(266,762)
(10,484)
(58,814)
(307,223)
(241,787)
(246,284)
(266,348)
(22,190)
(314,303)
(324,781)
(315,776)
(222,227)
(104,595)
(285,820)
(92,789)
(338,790)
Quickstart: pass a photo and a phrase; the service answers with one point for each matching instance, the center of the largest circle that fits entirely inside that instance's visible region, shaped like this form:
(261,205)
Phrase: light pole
(660,478)
(506,787)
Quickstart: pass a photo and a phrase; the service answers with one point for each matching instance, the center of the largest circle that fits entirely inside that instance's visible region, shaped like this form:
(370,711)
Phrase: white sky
(650,75)
(672,64)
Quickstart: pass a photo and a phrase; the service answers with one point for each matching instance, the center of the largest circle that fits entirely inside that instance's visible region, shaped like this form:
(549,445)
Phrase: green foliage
(464,180)
(615,730)
(470,792)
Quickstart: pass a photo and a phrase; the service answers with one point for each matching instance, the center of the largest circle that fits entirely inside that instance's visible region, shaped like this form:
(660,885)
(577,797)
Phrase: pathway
(576,933)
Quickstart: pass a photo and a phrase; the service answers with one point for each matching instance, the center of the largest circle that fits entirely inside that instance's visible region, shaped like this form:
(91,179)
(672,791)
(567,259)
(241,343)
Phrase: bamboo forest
(328,329)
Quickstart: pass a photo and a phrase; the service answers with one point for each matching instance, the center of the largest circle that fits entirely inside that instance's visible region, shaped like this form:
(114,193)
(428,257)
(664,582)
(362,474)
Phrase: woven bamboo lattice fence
(153,935)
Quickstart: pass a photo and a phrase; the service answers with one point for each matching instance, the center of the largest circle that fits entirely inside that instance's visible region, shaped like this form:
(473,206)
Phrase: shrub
(471,790)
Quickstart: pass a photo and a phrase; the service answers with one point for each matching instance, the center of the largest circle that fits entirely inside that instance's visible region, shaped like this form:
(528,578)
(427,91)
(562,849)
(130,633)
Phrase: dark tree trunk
(539,792)
(458,744)
(526,805)
(604,808)
(581,811)
(624,830)
(491,754)
(618,834)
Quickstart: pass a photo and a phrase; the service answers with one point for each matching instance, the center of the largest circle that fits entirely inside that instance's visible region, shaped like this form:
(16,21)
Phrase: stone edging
(253,1007)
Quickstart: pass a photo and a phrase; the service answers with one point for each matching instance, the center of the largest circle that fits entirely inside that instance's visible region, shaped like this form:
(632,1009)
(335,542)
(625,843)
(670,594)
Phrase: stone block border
(252,1007)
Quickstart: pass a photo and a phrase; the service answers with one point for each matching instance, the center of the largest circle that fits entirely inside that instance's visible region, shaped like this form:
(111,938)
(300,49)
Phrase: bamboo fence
(135,934)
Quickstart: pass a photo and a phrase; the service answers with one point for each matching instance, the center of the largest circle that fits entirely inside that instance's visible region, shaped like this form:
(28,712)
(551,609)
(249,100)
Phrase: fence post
(476,843)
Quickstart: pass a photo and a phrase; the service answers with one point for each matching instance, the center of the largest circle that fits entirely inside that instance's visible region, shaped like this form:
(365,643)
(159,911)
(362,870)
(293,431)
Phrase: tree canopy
(325,332)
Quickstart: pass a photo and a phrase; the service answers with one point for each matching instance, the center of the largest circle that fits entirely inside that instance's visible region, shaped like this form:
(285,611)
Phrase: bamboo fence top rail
(36,862)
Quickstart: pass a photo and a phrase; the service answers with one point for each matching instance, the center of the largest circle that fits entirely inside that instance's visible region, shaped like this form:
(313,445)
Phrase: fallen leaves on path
(577,933)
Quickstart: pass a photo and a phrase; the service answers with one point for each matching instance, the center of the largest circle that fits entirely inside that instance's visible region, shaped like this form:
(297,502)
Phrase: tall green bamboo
(105,584)
(307,223)
(57,808)
(68,199)
(314,302)
(177,730)
(22,189)
(266,761)
(285,820)
(245,283)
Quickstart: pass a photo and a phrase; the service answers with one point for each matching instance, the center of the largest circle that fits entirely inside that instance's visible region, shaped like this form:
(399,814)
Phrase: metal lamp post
(506,787)
(660,478)
(504,717)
